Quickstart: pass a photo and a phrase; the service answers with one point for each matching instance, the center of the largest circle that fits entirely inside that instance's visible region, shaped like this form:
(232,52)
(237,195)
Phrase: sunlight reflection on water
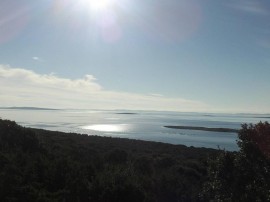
(107,127)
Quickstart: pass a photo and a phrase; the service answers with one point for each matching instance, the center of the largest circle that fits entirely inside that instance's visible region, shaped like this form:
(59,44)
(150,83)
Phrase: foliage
(243,175)
(40,165)
(255,137)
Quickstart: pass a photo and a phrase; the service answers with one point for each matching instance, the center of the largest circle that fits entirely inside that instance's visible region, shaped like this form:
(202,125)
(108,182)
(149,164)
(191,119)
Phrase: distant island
(28,108)
(126,113)
(229,130)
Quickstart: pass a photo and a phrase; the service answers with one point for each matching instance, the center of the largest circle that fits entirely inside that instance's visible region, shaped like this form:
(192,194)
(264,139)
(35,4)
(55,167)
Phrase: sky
(173,55)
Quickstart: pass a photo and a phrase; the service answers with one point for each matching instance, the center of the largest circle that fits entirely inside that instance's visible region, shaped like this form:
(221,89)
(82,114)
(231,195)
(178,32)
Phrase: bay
(143,125)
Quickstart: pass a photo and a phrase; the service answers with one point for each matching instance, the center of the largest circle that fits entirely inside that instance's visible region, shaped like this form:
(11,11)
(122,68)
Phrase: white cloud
(38,59)
(21,87)
(156,95)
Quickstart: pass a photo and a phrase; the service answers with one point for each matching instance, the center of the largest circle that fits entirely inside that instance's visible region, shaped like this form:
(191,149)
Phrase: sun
(98,5)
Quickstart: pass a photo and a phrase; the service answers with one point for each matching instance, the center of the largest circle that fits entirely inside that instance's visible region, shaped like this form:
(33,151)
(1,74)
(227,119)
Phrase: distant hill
(28,108)
(131,113)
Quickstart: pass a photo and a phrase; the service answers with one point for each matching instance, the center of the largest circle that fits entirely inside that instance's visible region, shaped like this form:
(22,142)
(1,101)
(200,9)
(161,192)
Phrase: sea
(141,125)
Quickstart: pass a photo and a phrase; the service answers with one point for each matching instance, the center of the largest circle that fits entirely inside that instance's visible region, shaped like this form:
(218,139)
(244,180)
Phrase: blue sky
(179,55)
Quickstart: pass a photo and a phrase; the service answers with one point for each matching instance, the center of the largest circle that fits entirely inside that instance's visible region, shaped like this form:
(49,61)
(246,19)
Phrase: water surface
(143,125)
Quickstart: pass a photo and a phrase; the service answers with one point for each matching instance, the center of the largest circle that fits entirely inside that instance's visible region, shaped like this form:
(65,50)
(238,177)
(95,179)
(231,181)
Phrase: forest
(43,166)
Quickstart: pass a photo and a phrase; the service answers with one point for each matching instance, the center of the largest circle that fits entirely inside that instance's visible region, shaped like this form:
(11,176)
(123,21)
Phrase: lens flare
(14,17)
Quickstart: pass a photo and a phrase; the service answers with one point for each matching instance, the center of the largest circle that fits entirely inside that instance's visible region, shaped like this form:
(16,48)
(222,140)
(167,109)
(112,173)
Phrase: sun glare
(97,5)
(107,127)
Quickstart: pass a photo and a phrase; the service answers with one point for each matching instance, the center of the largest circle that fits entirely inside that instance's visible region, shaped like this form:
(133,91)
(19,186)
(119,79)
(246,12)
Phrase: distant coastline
(229,130)
(131,113)
(28,108)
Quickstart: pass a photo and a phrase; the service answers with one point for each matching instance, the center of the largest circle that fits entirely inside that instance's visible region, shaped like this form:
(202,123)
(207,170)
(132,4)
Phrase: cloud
(250,6)
(156,95)
(21,87)
(37,58)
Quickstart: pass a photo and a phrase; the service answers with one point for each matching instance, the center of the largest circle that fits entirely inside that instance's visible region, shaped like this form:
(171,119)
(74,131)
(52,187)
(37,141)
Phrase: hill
(40,165)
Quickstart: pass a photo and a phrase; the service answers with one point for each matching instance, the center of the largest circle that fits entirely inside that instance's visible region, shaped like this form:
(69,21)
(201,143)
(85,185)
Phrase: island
(131,113)
(28,108)
(229,130)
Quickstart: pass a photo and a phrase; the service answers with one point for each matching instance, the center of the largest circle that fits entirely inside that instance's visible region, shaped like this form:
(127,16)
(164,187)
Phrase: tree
(242,175)
(256,137)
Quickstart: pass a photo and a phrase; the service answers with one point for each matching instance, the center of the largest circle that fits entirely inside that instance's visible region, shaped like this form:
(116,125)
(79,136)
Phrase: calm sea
(143,125)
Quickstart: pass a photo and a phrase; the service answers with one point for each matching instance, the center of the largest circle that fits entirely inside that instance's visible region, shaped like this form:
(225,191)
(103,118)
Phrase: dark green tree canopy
(257,136)
(43,166)
(242,175)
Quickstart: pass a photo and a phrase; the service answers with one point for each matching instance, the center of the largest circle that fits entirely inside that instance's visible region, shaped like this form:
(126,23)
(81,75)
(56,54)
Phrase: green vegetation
(39,165)
(43,166)
(230,130)
(244,175)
